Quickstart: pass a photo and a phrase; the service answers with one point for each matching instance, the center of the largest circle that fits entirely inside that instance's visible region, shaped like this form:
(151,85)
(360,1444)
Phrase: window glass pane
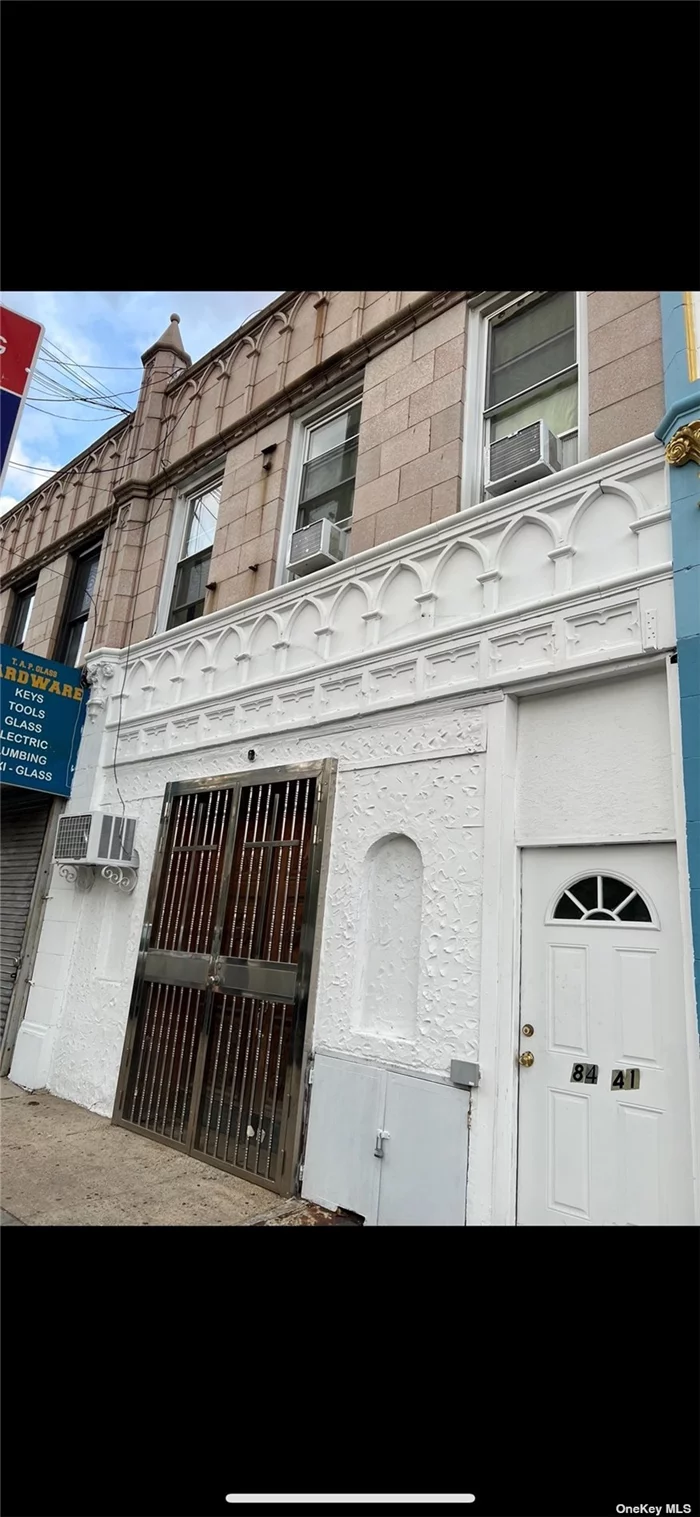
(635,911)
(20,622)
(201,521)
(567,910)
(90,567)
(332,434)
(84,578)
(74,643)
(614,892)
(186,614)
(335,506)
(191,580)
(530,347)
(325,473)
(559,409)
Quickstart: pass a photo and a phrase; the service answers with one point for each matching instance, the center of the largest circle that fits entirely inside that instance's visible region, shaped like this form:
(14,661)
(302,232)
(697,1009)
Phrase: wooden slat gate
(214,1044)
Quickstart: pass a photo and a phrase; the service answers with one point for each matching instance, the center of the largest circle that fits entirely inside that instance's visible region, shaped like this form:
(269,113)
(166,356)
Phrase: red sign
(20,341)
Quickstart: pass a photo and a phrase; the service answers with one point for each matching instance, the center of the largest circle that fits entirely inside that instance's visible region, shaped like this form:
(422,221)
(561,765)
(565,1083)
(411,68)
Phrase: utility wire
(72,367)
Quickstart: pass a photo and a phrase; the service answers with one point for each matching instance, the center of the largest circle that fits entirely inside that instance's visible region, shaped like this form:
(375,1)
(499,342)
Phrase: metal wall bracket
(122,876)
(464,1074)
(80,875)
(83,876)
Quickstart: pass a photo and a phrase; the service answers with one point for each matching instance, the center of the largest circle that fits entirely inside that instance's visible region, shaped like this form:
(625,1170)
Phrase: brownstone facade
(235,411)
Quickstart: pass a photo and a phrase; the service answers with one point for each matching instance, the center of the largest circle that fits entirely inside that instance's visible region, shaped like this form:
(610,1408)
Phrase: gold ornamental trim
(684,447)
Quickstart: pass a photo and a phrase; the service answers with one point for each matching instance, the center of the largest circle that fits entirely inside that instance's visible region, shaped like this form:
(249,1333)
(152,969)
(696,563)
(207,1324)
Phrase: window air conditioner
(96,838)
(531,453)
(316,547)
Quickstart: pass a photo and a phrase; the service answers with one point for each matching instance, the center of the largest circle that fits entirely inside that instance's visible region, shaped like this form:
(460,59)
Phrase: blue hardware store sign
(42,711)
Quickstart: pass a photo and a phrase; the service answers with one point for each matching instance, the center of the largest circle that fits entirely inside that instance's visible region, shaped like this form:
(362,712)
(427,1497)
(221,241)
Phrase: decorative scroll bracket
(123,876)
(80,875)
(684,447)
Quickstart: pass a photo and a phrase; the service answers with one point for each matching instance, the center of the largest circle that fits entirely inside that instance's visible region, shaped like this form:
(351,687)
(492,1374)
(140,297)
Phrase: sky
(106,331)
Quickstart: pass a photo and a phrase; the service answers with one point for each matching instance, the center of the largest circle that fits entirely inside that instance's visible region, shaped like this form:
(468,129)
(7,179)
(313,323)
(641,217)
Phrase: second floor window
(329,467)
(192,573)
(21,612)
(81,594)
(532,372)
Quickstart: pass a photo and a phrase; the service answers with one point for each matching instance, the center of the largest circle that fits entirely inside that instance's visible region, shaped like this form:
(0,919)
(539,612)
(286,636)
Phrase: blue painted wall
(683,405)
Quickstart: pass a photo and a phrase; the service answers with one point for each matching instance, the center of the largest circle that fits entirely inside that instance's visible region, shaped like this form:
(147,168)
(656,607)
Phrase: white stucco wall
(395,776)
(594,762)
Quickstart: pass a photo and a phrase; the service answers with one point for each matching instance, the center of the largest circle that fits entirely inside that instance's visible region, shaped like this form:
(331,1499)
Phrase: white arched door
(604,1121)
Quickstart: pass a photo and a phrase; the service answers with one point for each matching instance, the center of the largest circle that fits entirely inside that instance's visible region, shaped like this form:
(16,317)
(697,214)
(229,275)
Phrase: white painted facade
(491,682)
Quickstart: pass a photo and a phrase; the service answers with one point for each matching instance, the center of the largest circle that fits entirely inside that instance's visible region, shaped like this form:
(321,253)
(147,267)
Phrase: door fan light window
(192,571)
(328,470)
(601,898)
(532,372)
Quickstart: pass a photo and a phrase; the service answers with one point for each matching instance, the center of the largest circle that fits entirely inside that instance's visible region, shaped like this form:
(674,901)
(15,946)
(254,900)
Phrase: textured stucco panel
(382,786)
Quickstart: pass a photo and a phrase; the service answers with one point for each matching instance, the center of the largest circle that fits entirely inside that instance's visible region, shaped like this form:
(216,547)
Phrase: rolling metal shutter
(23,818)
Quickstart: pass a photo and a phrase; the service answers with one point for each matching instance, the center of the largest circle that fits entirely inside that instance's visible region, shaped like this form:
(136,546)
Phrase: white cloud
(35,467)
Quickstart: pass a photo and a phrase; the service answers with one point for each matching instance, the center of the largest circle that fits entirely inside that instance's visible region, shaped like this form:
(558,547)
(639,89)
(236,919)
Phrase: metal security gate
(214,1044)
(23,819)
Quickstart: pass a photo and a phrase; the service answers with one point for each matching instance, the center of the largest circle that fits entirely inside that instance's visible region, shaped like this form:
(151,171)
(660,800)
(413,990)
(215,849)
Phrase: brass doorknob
(527,1059)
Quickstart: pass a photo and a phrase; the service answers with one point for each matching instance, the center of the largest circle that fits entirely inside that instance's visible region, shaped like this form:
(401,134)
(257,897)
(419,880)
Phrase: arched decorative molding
(232,356)
(135,692)
(260,622)
(341,594)
(305,603)
(463,542)
(196,659)
(598,490)
(399,609)
(138,675)
(517,524)
(302,633)
(301,341)
(346,617)
(165,670)
(410,565)
(524,568)
(265,635)
(600,535)
(250,341)
(227,363)
(225,655)
(175,434)
(452,601)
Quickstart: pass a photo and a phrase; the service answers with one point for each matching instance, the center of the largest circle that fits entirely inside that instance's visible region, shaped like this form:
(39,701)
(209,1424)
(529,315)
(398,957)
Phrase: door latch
(379,1145)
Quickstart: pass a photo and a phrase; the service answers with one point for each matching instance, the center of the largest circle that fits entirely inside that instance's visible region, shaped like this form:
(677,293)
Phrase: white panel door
(602,985)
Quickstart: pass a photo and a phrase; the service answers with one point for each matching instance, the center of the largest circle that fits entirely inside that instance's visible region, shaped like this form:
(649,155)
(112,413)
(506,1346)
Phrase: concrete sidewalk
(65,1167)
